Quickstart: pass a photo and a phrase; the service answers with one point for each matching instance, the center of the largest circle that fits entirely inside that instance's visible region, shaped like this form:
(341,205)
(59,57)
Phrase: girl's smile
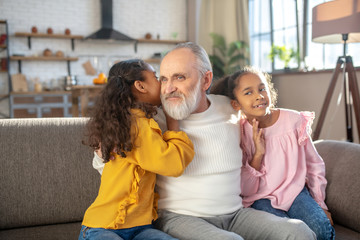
(261,105)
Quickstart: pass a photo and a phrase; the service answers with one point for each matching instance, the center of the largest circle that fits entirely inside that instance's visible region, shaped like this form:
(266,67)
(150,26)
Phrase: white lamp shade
(332,19)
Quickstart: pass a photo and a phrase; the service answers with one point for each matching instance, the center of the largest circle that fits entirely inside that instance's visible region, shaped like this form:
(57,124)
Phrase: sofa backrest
(46,173)
(342,161)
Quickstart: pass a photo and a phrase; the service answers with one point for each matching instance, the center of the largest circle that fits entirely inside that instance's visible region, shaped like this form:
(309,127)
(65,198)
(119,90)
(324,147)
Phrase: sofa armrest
(342,161)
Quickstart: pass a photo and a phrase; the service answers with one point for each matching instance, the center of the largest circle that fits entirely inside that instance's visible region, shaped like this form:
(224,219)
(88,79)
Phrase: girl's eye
(247,93)
(262,89)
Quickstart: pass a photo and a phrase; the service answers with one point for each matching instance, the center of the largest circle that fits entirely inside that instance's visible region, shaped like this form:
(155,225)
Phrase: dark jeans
(304,208)
(135,233)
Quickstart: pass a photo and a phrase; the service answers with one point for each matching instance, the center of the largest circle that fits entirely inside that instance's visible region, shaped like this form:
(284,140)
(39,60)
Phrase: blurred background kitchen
(49,47)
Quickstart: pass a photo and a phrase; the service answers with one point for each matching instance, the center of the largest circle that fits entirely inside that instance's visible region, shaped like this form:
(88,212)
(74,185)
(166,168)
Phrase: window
(260,33)
(288,23)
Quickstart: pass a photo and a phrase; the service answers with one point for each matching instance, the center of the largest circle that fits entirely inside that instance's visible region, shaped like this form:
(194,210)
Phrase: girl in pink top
(282,172)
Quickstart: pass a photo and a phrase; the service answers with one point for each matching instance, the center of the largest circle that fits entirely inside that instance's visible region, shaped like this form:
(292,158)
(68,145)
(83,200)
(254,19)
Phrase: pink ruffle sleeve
(315,175)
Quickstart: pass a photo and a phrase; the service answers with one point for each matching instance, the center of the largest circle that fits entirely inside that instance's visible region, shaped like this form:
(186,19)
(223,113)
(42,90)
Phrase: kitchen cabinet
(42,104)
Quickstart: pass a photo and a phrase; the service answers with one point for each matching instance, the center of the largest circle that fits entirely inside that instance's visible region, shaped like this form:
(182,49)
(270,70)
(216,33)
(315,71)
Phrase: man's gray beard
(180,111)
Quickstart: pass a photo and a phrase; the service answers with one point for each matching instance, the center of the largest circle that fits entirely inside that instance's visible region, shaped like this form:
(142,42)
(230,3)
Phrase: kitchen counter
(73,103)
(85,93)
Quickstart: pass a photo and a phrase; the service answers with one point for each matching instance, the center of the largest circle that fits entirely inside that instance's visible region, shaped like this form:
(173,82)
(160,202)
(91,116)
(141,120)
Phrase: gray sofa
(47,180)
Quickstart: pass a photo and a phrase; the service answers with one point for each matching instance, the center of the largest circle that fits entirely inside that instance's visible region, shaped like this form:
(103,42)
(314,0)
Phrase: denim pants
(135,233)
(304,208)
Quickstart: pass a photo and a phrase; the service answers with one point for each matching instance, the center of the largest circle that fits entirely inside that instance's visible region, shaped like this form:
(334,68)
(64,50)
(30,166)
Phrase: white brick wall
(134,18)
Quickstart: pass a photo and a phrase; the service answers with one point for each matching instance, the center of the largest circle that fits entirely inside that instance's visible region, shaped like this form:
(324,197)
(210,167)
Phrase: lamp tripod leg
(354,89)
(347,103)
(327,99)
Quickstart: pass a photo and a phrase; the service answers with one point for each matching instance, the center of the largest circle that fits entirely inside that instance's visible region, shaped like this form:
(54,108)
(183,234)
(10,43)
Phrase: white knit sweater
(210,185)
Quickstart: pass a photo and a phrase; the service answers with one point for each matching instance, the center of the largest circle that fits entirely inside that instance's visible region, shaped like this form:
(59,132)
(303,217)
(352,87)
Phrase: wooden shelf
(42,58)
(40,93)
(45,35)
(2,46)
(142,40)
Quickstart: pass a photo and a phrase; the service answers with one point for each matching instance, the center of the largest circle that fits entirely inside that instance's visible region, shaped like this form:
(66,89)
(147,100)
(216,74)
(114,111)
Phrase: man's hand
(172,124)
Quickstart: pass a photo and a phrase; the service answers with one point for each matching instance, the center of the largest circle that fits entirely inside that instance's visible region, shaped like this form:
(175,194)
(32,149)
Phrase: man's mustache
(174,94)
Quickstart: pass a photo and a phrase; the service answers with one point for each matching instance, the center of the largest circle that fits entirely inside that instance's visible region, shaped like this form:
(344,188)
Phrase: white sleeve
(98,163)
(161,119)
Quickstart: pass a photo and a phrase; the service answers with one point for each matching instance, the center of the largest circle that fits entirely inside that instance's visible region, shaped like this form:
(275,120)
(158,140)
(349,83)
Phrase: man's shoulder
(218,98)
(221,103)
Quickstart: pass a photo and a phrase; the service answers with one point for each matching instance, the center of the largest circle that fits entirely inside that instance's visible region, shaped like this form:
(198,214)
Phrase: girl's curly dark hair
(227,85)
(111,119)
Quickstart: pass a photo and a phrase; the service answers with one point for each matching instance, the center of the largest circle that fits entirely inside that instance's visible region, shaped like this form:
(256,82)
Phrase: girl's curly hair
(110,122)
(227,85)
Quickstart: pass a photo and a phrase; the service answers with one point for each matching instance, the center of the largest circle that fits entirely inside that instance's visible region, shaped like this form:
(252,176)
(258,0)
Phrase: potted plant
(227,59)
(283,53)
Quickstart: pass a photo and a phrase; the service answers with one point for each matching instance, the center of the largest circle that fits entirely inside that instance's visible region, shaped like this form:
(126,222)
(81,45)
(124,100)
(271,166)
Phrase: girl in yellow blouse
(122,120)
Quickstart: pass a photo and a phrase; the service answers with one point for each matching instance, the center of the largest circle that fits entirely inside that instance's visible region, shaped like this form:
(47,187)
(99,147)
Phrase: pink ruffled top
(290,162)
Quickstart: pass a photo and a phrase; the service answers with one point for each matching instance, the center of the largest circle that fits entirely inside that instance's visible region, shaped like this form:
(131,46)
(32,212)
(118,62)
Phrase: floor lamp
(339,22)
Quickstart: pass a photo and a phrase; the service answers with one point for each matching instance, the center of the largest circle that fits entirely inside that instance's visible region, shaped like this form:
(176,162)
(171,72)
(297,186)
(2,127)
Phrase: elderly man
(205,203)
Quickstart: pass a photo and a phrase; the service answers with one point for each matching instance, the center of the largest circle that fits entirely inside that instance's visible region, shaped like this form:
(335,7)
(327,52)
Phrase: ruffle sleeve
(304,127)
(133,198)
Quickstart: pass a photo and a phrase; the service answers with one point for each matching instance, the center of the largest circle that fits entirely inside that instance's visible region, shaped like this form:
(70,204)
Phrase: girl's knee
(326,232)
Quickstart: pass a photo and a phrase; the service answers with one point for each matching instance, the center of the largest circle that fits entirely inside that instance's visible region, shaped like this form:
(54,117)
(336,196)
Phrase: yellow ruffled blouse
(126,196)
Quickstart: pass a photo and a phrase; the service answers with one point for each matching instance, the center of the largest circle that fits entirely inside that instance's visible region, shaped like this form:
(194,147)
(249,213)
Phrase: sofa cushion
(343,233)
(54,232)
(46,172)
(342,161)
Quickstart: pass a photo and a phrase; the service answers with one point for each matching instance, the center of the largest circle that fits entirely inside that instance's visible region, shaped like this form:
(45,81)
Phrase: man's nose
(168,87)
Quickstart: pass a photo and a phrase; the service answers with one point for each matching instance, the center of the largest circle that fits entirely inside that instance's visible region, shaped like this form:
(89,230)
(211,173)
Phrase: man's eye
(180,78)
(262,89)
(163,79)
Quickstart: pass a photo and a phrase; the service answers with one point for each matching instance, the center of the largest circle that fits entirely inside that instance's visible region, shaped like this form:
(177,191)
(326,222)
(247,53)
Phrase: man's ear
(235,105)
(208,80)
(140,86)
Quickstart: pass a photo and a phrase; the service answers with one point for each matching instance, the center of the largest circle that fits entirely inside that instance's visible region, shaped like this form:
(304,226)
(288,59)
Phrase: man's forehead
(178,69)
(173,66)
